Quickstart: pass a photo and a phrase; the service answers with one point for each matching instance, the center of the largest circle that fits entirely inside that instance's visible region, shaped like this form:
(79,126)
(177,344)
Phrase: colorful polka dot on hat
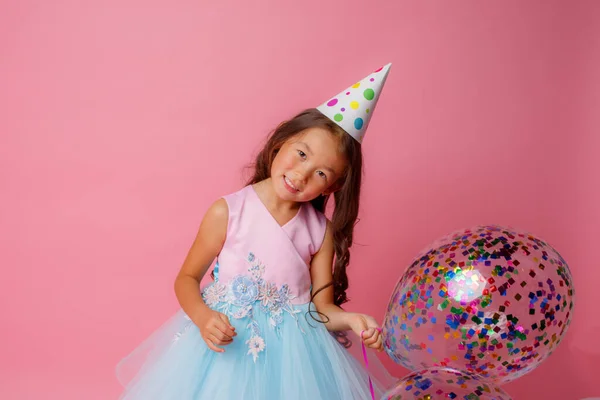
(352,108)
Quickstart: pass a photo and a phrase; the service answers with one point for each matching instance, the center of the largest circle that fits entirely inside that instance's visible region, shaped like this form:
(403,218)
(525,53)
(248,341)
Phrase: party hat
(353,108)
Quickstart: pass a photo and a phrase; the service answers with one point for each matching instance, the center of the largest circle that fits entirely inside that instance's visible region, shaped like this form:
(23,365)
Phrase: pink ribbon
(364,351)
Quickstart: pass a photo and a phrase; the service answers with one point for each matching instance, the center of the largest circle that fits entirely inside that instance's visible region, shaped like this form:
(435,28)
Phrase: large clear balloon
(444,383)
(486,300)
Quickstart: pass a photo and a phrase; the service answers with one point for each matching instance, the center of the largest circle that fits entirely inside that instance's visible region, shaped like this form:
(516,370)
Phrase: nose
(305,173)
(301,174)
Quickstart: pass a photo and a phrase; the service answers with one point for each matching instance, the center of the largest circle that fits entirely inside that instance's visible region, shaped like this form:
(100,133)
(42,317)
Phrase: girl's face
(308,165)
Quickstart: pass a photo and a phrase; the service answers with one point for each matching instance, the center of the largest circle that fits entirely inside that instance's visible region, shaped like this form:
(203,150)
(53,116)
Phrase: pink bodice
(254,237)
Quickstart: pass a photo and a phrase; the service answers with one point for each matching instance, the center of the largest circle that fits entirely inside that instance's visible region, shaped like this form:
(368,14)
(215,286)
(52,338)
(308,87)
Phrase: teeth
(290,183)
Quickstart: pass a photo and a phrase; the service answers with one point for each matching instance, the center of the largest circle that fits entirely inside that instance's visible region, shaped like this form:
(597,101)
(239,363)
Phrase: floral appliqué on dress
(243,294)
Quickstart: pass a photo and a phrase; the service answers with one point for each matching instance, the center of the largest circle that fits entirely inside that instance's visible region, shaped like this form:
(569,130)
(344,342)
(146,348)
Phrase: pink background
(122,121)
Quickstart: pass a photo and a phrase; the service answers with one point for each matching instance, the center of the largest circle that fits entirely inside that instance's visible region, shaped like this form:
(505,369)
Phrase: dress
(262,283)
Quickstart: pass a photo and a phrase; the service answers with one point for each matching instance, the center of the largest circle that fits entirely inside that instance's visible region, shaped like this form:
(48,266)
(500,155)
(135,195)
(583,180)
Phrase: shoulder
(218,210)
(315,217)
(235,200)
(217,215)
(223,208)
(319,226)
(224,213)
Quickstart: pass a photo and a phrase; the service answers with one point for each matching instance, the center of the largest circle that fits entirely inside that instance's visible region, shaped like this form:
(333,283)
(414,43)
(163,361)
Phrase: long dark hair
(346,198)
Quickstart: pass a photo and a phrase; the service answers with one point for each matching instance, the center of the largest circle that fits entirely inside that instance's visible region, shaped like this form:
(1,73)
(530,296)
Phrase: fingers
(212,341)
(214,348)
(219,341)
(372,338)
(220,337)
(220,327)
(378,345)
(225,326)
(222,333)
(217,331)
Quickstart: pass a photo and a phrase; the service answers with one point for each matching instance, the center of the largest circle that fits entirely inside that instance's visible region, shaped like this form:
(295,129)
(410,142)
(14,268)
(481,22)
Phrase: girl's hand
(215,329)
(368,330)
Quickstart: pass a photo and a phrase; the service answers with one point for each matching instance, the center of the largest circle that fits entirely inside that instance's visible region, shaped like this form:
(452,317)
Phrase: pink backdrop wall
(121,121)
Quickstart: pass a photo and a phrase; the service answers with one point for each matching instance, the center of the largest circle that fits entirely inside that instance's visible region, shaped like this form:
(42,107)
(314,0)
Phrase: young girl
(261,329)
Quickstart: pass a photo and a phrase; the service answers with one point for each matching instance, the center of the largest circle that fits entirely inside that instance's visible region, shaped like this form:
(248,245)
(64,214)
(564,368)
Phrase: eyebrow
(309,150)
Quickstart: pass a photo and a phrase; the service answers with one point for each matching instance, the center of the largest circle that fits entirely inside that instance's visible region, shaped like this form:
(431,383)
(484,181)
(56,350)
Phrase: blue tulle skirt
(300,359)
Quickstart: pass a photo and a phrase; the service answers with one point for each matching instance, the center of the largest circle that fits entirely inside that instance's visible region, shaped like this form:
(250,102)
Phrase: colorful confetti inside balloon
(444,383)
(486,300)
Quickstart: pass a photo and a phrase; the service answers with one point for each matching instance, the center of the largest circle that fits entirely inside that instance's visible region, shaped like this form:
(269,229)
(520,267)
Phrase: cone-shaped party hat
(353,108)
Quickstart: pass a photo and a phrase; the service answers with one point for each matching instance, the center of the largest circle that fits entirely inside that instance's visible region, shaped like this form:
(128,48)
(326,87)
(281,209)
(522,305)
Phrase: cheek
(318,184)
(286,161)
(278,167)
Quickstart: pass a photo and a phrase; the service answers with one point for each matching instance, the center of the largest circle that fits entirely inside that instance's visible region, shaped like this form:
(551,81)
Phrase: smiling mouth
(290,184)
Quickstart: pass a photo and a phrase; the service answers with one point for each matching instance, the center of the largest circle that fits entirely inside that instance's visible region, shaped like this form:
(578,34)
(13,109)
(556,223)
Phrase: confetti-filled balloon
(486,300)
(444,383)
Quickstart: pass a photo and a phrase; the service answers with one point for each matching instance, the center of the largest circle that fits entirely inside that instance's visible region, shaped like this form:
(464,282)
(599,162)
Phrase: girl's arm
(336,318)
(214,326)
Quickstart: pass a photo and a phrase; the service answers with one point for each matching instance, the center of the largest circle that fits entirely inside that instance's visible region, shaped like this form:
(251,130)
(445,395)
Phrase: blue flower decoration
(244,290)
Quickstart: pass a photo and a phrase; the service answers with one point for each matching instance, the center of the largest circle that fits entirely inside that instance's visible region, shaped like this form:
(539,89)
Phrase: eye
(322,174)
(301,154)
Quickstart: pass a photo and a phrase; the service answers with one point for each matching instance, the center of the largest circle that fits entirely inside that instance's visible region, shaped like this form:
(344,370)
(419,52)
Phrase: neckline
(264,207)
